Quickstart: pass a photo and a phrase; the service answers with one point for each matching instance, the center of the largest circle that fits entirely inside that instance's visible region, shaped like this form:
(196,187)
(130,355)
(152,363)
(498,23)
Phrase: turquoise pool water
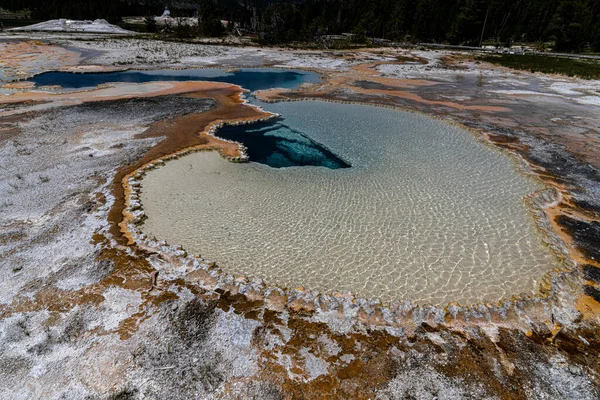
(272,143)
(249,78)
(346,198)
(279,145)
(425,212)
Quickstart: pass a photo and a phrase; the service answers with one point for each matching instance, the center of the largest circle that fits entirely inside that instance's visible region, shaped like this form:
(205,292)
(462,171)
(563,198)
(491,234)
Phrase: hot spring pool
(409,208)
(249,78)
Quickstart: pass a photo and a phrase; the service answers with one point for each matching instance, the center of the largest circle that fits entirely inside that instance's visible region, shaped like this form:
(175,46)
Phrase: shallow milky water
(426,212)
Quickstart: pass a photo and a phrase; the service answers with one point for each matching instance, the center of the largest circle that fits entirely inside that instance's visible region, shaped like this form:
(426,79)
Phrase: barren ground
(90,308)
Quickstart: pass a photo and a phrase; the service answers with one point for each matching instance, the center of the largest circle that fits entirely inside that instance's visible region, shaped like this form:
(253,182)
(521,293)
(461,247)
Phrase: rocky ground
(79,26)
(86,313)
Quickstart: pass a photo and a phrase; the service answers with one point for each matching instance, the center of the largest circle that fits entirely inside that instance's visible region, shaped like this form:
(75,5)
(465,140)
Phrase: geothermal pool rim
(376,312)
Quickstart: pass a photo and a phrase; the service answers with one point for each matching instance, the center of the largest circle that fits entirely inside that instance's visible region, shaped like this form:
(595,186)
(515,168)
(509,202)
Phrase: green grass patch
(582,68)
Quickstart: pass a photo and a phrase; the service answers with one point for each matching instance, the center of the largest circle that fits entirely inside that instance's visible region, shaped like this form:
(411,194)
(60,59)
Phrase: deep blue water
(277,145)
(250,78)
(272,143)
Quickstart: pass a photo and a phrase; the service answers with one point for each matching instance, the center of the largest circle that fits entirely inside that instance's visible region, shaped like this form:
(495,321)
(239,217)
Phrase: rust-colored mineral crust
(115,313)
